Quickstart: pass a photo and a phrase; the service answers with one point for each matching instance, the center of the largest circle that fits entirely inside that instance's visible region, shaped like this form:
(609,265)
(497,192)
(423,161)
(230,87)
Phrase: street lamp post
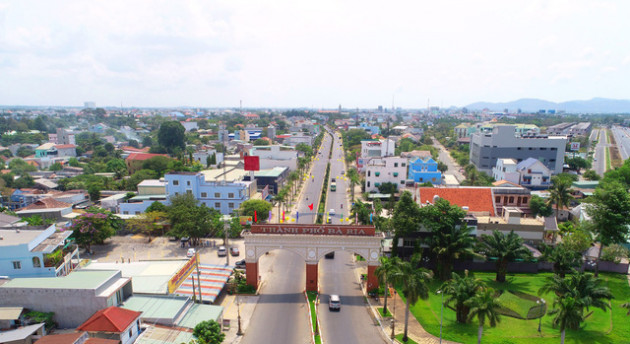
(441,313)
(393,335)
(541,302)
(238,309)
(226,228)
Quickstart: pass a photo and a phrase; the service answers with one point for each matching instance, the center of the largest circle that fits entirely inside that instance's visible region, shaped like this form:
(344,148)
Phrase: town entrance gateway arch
(312,242)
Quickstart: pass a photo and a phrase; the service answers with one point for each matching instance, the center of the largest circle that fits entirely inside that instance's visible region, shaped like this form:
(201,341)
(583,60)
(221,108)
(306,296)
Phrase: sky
(319,54)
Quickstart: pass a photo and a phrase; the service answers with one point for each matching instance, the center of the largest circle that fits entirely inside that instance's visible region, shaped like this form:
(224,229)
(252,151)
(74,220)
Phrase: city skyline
(285,54)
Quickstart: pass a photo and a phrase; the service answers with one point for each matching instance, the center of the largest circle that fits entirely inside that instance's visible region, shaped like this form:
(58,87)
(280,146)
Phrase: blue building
(19,199)
(224,196)
(36,252)
(422,171)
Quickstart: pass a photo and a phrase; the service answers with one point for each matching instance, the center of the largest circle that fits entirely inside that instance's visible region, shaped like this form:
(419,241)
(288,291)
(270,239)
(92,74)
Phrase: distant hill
(595,105)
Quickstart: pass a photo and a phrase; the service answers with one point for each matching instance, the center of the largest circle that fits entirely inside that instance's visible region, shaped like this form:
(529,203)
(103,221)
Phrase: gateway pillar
(372,281)
(251,272)
(311,276)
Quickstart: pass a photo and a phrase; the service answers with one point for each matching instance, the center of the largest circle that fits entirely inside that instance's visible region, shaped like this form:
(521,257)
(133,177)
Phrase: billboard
(313,229)
(182,274)
(252,163)
(575,146)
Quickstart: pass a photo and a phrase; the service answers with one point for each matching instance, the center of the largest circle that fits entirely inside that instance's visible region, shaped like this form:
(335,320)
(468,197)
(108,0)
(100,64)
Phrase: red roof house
(113,323)
(477,199)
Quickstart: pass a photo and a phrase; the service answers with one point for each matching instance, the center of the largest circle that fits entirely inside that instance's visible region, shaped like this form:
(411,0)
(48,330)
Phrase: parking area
(132,248)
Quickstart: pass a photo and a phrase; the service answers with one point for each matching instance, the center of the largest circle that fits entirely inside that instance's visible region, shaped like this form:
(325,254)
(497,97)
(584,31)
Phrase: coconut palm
(569,314)
(354,178)
(484,305)
(280,198)
(505,248)
(460,289)
(414,285)
(560,193)
(384,273)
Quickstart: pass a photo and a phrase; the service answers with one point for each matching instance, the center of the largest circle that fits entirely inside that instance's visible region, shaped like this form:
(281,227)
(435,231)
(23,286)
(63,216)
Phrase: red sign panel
(252,163)
(313,229)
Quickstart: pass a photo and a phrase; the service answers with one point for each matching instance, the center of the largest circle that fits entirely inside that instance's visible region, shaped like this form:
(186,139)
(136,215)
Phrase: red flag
(310,206)
(255,216)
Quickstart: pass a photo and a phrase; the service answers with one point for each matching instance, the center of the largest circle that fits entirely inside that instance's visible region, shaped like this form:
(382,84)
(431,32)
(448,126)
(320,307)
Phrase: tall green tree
(609,208)
(261,208)
(538,206)
(354,179)
(405,218)
(560,193)
(189,219)
(484,305)
(171,136)
(563,257)
(460,289)
(503,248)
(385,274)
(568,314)
(208,332)
(117,166)
(450,238)
(414,284)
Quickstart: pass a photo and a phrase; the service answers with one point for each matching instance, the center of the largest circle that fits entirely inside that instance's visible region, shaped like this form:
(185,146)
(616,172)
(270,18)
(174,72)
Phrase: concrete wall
(527,232)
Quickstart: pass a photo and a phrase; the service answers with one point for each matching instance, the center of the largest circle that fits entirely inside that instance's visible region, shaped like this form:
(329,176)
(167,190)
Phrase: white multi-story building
(224,196)
(506,170)
(275,156)
(371,149)
(385,170)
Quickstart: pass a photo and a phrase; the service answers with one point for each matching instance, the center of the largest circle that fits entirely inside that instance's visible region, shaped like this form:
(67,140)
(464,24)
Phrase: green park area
(520,314)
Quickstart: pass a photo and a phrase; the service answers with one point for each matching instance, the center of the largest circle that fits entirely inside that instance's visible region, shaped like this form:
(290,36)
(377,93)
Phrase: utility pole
(227,244)
(198,277)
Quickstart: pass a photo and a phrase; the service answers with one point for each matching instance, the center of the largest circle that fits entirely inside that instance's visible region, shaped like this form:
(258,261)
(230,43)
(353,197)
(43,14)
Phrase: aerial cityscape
(332,172)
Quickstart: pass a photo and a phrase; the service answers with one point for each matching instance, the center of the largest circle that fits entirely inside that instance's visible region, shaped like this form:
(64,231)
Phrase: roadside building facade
(385,170)
(424,170)
(503,142)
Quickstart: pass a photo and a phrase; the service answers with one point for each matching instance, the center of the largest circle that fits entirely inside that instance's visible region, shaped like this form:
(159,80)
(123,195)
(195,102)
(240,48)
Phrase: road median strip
(312,299)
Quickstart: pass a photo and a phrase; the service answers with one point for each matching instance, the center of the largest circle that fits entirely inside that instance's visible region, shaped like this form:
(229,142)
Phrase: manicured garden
(519,293)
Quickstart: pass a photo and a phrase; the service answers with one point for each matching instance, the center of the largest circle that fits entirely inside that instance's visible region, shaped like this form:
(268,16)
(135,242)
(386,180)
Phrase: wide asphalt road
(353,323)
(281,315)
(599,158)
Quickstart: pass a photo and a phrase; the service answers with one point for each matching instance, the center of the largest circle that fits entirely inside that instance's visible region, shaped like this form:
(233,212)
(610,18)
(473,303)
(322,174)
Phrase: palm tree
(505,248)
(459,290)
(560,193)
(384,273)
(354,178)
(484,305)
(563,258)
(280,198)
(584,287)
(568,313)
(414,285)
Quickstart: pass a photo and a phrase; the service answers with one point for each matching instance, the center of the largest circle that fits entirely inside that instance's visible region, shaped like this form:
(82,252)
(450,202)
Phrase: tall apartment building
(504,142)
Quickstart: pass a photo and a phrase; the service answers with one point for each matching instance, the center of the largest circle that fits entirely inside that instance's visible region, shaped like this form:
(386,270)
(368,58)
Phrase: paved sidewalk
(247,306)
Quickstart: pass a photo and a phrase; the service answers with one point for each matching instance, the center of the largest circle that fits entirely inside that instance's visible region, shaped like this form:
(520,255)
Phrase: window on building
(377,174)
(497,199)
(131,332)
(17,265)
(204,195)
(395,174)
(402,182)
(403,164)
(137,213)
(231,195)
(125,212)
(217,205)
(36,262)
(175,182)
(409,243)
(188,182)
(395,164)
(177,194)
(369,173)
(231,205)
(511,199)
(368,184)
(554,148)
(217,195)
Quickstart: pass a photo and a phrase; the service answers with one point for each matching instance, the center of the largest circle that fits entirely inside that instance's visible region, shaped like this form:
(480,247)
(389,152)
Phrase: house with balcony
(385,170)
(534,174)
(371,149)
(424,170)
(21,198)
(36,251)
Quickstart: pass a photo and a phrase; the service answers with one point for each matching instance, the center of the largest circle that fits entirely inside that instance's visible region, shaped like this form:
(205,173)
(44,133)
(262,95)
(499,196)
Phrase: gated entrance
(312,242)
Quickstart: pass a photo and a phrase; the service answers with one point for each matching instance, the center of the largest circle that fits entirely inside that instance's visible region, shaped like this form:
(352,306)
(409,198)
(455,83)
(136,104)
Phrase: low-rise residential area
(127,225)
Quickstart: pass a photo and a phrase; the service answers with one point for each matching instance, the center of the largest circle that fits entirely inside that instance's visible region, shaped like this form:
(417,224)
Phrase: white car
(191,252)
(331,212)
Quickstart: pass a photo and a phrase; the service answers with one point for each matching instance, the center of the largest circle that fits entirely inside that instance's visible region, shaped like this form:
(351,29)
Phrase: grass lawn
(312,296)
(601,327)
(399,339)
(380,311)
